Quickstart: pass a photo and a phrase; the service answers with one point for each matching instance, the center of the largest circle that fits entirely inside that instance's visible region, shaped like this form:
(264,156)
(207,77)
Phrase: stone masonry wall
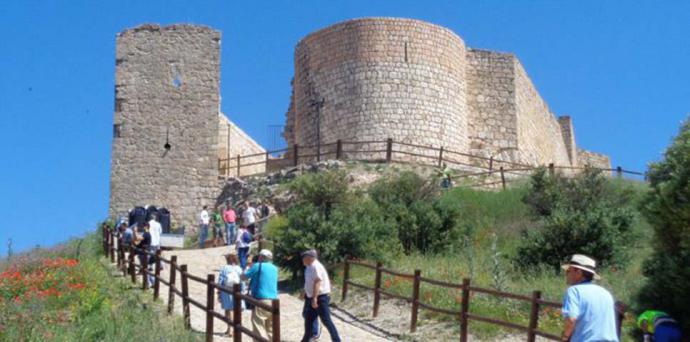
(492,123)
(593,159)
(568,133)
(239,143)
(540,140)
(375,78)
(166,90)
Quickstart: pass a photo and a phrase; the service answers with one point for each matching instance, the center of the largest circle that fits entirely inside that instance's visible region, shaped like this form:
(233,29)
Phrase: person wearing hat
(588,309)
(658,326)
(317,289)
(263,277)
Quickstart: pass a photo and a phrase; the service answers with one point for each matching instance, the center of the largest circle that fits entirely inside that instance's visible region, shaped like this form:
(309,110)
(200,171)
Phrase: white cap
(266,253)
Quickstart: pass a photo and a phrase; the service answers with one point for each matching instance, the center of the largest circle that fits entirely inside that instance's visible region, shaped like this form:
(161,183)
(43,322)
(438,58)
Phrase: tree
(667,208)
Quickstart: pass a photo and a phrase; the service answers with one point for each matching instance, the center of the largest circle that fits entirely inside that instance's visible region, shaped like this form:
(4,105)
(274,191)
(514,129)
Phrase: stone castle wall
(372,79)
(166,89)
(593,159)
(377,78)
(540,140)
(491,100)
(232,141)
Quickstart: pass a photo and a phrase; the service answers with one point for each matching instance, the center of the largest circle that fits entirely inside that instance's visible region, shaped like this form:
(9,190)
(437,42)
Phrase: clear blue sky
(620,69)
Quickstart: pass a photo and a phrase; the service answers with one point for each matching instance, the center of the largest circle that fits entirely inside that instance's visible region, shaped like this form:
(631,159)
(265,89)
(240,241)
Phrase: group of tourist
(259,279)
(146,237)
(224,222)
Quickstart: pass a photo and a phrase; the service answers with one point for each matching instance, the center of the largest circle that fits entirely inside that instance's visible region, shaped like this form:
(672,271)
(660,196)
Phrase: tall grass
(82,301)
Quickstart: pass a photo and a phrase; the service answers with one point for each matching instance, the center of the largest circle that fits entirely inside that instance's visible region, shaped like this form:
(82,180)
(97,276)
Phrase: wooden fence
(390,151)
(463,314)
(124,257)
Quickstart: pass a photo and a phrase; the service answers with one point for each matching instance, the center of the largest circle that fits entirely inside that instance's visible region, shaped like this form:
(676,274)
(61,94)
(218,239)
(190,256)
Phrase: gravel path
(207,261)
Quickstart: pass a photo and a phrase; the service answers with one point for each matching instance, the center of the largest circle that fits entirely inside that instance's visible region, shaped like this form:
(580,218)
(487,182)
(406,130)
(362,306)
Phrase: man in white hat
(263,276)
(588,309)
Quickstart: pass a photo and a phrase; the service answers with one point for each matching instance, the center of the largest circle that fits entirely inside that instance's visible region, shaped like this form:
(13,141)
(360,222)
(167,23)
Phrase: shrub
(326,217)
(667,208)
(412,205)
(584,214)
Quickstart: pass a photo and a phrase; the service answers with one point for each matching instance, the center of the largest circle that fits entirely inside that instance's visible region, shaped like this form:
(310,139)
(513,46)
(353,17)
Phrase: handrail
(464,314)
(129,264)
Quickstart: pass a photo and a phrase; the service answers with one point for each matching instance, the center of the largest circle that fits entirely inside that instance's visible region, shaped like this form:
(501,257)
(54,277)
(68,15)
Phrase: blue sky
(620,69)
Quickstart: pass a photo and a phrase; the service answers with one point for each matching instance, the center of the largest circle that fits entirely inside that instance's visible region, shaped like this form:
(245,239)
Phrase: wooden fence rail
(387,151)
(112,246)
(463,314)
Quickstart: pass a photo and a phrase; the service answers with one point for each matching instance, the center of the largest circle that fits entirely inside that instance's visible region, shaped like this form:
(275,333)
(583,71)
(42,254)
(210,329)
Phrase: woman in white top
(244,238)
(228,276)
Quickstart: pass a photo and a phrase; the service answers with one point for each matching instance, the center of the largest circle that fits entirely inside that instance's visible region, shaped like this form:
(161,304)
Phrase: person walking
(229,217)
(229,275)
(204,220)
(588,309)
(317,289)
(263,277)
(156,230)
(249,217)
(244,238)
(658,326)
(217,228)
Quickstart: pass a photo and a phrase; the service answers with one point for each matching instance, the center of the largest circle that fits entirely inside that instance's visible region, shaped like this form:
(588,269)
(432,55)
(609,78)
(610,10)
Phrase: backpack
(246,237)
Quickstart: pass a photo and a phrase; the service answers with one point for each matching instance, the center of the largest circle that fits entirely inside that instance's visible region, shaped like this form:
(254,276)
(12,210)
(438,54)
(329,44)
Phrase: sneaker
(317,336)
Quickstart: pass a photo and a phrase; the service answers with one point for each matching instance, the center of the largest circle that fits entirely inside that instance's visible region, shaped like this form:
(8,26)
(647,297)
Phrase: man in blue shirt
(263,276)
(588,309)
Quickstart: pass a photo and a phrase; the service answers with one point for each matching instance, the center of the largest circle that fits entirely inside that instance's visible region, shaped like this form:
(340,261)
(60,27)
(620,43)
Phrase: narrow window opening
(117,130)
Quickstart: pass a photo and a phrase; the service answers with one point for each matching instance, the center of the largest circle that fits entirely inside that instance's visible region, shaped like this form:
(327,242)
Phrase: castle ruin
(361,80)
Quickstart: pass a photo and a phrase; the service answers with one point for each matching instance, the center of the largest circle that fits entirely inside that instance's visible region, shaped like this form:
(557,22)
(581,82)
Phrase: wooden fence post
(465,309)
(111,246)
(132,269)
(144,270)
(185,297)
(415,300)
(117,253)
(171,293)
(104,229)
(338,149)
(552,169)
(440,157)
(295,154)
(275,311)
(491,165)
(236,313)
(209,306)
(377,289)
(157,273)
(533,317)
(238,166)
(346,277)
(503,178)
(268,156)
(389,150)
(619,172)
(318,150)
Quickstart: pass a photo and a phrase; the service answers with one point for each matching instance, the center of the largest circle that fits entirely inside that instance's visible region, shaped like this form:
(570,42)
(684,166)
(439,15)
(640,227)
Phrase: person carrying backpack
(244,238)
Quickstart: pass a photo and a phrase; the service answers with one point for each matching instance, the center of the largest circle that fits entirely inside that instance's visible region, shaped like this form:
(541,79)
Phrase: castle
(361,80)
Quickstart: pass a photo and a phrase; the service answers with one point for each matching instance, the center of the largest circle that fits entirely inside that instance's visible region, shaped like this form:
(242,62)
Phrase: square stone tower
(165,132)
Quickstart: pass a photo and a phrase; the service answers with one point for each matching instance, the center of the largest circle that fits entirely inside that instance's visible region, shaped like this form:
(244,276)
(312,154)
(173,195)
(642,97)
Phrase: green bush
(586,214)
(326,217)
(667,208)
(412,205)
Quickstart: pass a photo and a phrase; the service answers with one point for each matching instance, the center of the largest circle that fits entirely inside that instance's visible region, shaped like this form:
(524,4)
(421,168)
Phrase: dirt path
(207,261)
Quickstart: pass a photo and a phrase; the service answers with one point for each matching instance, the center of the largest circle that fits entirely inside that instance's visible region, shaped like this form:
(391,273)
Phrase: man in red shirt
(229,217)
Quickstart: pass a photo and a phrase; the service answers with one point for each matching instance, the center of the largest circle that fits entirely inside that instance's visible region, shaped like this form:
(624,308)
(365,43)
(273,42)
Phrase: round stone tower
(378,78)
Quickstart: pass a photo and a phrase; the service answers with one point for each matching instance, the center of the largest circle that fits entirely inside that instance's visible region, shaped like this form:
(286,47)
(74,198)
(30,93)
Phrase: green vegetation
(70,294)
(407,223)
(667,207)
(585,214)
